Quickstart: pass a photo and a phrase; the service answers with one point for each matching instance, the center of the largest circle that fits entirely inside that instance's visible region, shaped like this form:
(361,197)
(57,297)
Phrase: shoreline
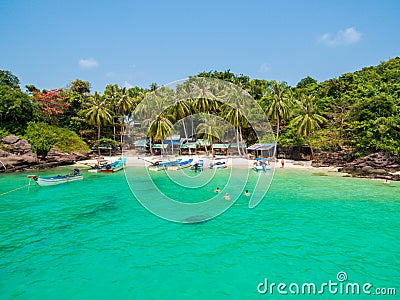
(238,162)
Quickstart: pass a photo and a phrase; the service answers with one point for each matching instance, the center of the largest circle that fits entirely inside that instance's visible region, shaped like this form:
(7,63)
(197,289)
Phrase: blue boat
(114,167)
(198,166)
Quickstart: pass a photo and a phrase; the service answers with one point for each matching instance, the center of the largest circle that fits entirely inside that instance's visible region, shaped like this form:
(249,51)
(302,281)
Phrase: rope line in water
(16,189)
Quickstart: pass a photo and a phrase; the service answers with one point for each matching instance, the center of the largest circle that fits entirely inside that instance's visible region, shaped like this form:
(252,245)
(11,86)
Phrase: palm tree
(279,108)
(210,128)
(111,95)
(124,105)
(233,115)
(180,110)
(160,128)
(97,113)
(309,120)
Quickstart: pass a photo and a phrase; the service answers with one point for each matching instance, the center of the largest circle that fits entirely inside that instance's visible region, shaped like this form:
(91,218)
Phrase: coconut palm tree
(98,113)
(111,95)
(280,97)
(210,128)
(124,105)
(159,128)
(309,120)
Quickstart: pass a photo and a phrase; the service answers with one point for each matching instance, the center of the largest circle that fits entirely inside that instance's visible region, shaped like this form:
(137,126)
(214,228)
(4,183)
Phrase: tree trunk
(277,136)
(98,138)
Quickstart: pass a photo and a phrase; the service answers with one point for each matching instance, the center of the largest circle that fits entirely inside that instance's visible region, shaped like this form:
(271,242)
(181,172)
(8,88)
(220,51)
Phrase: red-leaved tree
(52,104)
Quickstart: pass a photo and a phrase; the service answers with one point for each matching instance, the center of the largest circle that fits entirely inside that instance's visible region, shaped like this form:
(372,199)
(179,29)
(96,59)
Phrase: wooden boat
(261,168)
(260,165)
(198,166)
(170,165)
(159,165)
(218,164)
(114,167)
(54,180)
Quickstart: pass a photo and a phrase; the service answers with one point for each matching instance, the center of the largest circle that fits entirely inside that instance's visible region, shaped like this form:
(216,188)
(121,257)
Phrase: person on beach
(227,197)
(217,190)
(247,193)
(282,163)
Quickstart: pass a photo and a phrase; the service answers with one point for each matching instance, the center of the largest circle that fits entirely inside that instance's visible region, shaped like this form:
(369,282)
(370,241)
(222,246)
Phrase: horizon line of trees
(358,110)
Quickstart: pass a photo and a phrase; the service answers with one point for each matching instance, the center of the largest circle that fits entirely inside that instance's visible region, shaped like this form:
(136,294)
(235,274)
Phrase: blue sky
(50,43)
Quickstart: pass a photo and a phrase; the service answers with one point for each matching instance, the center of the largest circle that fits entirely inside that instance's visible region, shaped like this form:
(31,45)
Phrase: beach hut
(220,149)
(141,145)
(159,148)
(188,148)
(173,143)
(262,150)
(233,148)
(203,145)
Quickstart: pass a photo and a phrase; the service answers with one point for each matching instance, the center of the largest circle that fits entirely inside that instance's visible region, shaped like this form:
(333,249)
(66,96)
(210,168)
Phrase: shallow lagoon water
(93,240)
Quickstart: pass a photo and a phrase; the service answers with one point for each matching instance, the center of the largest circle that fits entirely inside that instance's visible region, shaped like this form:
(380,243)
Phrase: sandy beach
(237,162)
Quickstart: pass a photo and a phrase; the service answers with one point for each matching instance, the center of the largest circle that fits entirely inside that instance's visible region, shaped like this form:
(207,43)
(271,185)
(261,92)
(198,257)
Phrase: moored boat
(197,166)
(218,164)
(59,179)
(260,165)
(114,167)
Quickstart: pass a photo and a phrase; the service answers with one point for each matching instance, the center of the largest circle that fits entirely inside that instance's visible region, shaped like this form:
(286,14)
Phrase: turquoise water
(93,240)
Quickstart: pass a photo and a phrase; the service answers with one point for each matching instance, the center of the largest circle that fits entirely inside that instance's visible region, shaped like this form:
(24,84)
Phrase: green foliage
(358,110)
(9,80)
(4,133)
(16,109)
(361,107)
(43,136)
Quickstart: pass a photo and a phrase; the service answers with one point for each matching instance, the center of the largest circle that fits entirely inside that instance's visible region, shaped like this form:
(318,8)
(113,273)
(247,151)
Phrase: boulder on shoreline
(376,165)
(17,155)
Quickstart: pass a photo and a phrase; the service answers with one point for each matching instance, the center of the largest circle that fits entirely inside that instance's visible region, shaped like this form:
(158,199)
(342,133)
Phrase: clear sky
(51,42)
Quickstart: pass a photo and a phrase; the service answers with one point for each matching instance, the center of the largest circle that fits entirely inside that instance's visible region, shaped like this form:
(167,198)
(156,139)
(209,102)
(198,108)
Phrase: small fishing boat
(218,164)
(197,166)
(114,167)
(260,165)
(159,165)
(54,180)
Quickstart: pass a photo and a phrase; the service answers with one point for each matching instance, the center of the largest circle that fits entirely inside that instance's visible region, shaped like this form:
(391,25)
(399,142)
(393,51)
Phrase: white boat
(54,180)
(262,168)
(218,164)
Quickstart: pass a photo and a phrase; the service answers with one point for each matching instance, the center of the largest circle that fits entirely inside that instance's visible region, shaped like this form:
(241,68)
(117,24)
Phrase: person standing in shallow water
(282,163)
(227,197)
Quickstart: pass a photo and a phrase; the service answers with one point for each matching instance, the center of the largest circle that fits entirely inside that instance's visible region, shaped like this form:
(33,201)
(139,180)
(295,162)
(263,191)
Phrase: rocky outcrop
(377,165)
(294,152)
(17,155)
(332,159)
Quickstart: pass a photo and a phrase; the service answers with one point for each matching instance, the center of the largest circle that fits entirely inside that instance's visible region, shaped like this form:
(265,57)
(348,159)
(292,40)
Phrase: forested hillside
(356,111)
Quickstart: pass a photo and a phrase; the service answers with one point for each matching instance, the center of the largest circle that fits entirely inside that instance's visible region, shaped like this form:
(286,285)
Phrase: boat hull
(57,180)
(261,168)
(112,170)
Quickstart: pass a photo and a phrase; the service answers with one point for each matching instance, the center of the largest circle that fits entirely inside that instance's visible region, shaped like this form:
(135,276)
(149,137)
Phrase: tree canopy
(358,110)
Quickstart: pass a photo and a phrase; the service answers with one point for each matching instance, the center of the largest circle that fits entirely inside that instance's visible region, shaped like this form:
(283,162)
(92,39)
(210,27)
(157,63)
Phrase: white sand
(135,160)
